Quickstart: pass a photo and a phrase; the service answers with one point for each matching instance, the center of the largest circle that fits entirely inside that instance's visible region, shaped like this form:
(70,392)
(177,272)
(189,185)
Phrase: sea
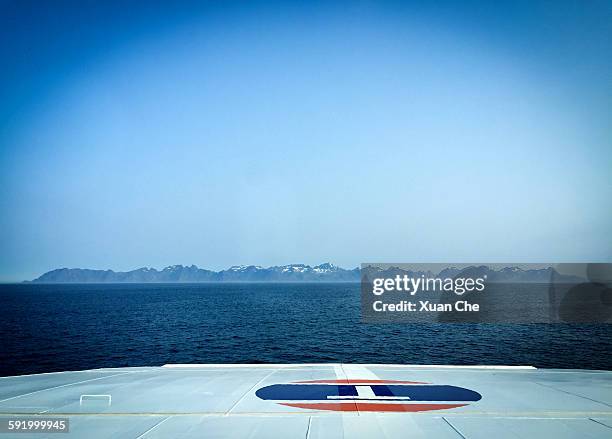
(59,327)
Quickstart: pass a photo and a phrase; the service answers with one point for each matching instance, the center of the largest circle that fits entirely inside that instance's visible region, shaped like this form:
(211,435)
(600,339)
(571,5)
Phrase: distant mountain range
(291,273)
(178,273)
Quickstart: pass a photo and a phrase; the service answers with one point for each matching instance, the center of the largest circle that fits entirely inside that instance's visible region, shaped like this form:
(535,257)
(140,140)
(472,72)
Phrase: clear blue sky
(149,134)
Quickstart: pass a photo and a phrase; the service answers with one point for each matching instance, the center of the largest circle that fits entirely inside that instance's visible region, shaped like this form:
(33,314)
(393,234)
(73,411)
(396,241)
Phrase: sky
(222,133)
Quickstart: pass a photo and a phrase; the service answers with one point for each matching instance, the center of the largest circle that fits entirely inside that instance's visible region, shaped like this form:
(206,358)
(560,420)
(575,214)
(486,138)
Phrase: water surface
(48,328)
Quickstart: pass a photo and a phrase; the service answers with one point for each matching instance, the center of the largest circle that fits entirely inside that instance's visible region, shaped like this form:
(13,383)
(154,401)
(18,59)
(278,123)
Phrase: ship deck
(316,401)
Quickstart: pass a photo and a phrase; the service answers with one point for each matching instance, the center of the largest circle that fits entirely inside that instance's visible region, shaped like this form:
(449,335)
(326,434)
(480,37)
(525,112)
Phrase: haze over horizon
(270,133)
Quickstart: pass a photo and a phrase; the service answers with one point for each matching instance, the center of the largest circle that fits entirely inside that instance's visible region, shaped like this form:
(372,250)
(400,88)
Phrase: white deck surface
(219,401)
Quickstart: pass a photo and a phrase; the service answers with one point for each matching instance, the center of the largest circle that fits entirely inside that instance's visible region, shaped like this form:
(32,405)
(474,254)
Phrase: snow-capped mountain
(326,272)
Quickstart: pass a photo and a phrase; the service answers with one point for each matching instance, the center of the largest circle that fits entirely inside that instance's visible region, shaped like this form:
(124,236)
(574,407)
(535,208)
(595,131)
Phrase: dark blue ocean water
(47,328)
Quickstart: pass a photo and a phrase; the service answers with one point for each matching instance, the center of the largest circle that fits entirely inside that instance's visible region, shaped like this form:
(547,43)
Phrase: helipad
(316,401)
